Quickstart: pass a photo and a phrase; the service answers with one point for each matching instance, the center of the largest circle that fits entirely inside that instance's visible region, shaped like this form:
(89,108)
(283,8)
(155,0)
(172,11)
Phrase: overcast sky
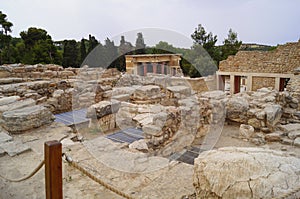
(256,21)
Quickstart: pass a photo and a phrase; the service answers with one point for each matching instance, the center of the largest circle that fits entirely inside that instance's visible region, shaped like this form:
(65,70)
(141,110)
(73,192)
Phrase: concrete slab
(2,152)
(4,137)
(14,148)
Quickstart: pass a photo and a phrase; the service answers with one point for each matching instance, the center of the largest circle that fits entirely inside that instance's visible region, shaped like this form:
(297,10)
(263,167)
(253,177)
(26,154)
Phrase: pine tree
(82,50)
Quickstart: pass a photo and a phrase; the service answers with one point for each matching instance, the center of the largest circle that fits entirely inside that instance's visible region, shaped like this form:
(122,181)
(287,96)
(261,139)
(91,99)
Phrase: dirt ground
(76,185)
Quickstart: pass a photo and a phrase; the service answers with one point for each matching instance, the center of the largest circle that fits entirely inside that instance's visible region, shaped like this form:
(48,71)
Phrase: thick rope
(28,176)
(91,176)
(33,172)
(285,195)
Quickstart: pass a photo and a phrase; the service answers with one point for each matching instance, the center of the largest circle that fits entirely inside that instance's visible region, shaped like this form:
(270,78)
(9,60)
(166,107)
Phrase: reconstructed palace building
(168,64)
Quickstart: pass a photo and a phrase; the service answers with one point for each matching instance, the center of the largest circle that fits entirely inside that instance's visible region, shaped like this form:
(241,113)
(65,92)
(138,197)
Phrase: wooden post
(53,170)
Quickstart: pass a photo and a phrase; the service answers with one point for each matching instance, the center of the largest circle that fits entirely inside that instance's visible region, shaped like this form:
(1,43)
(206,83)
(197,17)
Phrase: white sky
(256,21)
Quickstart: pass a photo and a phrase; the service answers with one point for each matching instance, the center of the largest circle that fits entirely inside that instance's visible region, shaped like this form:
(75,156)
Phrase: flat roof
(153,55)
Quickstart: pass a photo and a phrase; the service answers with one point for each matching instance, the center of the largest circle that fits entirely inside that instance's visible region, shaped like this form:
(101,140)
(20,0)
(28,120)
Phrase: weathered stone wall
(38,71)
(260,82)
(284,59)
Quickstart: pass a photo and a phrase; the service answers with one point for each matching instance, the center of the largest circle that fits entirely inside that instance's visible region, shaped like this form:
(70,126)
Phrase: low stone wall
(38,71)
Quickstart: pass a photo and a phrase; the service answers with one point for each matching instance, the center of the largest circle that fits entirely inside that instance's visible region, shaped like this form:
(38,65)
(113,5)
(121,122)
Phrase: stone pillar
(231,84)
(154,65)
(145,68)
(163,68)
(277,83)
(220,82)
(249,83)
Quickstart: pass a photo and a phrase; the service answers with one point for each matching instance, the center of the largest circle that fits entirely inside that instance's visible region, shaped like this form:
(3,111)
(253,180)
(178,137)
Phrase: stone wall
(284,59)
(38,71)
(259,82)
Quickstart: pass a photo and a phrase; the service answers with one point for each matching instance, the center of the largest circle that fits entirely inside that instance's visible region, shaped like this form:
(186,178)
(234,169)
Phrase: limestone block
(139,145)
(103,108)
(236,107)
(152,130)
(17,105)
(179,91)
(297,142)
(274,137)
(147,92)
(254,122)
(14,148)
(22,119)
(273,114)
(246,131)
(4,137)
(290,127)
(294,134)
(8,100)
(245,173)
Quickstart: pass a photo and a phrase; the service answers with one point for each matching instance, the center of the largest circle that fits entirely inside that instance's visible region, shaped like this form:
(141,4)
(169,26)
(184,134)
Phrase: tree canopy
(35,45)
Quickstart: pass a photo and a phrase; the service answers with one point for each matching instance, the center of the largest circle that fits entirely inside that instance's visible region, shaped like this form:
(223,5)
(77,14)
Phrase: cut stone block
(8,100)
(14,148)
(4,137)
(27,118)
(17,105)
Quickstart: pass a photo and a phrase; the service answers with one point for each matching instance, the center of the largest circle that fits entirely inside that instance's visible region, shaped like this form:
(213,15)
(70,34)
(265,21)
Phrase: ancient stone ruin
(175,118)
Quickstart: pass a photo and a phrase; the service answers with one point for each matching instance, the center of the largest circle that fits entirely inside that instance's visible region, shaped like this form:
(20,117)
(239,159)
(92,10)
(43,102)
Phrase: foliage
(5,39)
(39,47)
(231,44)
(70,54)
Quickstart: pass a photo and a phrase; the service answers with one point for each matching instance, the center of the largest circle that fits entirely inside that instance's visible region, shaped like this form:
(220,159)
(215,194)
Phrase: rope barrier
(33,172)
(91,176)
(28,176)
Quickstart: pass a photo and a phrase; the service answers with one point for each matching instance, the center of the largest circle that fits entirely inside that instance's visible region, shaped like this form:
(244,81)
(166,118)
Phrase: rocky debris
(246,131)
(297,142)
(139,145)
(22,119)
(147,93)
(274,137)
(14,148)
(103,108)
(263,174)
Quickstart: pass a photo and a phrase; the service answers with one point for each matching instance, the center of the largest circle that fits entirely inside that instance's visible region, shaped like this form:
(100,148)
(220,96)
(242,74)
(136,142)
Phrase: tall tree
(231,44)
(140,44)
(82,50)
(5,39)
(93,42)
(39,47)
(70,54)
(207,40)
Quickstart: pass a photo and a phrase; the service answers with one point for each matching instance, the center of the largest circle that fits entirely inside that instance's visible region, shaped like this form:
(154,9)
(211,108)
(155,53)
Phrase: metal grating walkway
(128,135)
(72,117)
(132,134)
(187,156)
